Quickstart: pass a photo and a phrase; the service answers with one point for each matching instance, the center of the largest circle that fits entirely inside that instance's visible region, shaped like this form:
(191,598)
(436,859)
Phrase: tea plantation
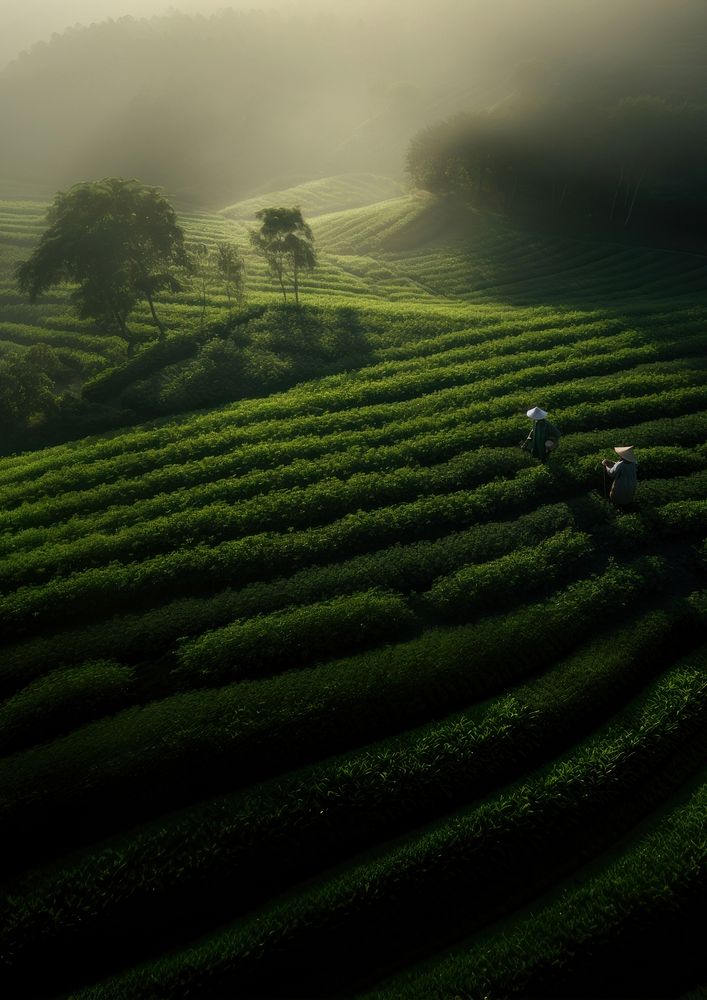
(337,692)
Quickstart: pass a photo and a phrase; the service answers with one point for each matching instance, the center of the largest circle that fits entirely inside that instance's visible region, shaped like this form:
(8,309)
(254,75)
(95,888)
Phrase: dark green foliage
(251,353)
(641,156)
(118,241)
(160,753)
(106,386)
(286,243)
(648,896)
(282,830)
(255,557)
(684,517)
(28,387)
(455,870)
(409,567)
(526,571)
(63,700)
(266,644)
(230,267)
(307,550)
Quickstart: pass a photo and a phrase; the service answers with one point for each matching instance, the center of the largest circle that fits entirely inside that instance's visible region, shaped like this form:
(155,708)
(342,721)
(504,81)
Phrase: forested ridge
(216,108)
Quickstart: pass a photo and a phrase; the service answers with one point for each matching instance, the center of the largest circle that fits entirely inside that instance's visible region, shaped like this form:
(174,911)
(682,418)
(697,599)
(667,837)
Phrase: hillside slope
(312,687)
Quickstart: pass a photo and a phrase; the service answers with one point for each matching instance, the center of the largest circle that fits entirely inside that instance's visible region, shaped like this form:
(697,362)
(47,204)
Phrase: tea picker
(624,476)
(544,437)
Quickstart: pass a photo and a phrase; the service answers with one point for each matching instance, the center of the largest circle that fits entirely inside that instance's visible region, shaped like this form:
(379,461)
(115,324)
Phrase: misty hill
(208,108)
(216,109)
(328,194)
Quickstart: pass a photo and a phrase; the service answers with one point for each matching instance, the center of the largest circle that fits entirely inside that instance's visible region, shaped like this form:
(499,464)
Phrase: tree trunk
(296,280)
(155,317)
(127,334)
(282,285)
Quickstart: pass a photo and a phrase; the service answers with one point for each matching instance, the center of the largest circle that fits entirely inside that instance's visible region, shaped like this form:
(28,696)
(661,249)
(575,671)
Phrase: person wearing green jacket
(544,437)
(624,475)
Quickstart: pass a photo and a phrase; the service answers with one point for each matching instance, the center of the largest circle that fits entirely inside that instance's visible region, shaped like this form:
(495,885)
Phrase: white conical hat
(536,413)
(626,452)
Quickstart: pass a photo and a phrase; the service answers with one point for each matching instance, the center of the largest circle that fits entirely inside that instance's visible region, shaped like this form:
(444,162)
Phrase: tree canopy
(637,160)
(118,241)
(286,243)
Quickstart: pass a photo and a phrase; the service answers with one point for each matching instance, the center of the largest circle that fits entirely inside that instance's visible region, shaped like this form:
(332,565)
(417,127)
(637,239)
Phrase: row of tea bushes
(265,644)
(63,700)
(456,874)
(633,911)
(280,510)
(525,571)
(202,567)
(120,769)
(334,410)
(239,847)
(405,566)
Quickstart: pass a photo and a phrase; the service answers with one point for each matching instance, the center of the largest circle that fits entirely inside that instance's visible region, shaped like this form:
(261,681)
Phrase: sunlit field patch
(335,690)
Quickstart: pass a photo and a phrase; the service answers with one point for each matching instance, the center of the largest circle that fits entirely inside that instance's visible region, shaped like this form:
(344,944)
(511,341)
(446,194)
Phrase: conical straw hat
(536,413)
(626,452)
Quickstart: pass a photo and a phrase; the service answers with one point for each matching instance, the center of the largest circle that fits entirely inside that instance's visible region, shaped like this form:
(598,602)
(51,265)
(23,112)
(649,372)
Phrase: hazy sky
(24,22)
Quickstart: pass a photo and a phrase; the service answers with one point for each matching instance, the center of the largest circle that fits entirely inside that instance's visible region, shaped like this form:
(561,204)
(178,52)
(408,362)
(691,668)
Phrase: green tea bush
(659,492)
(271,487)
(285,639)
(453,872)
(283,830)
(636,898)
(524,571)
(63,700)
(347,408)
(148,756)
(683,517)
(407,567)
(202,567)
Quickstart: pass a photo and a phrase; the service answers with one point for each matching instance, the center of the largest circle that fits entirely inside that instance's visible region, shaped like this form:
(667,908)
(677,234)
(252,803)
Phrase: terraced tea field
(338,692)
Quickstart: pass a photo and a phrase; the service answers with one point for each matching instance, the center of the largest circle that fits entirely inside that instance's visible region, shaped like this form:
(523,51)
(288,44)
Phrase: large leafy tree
(118,241)
(286,243)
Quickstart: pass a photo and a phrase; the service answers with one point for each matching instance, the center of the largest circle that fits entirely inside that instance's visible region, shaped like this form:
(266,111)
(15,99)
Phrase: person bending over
(623,473)
(544,436)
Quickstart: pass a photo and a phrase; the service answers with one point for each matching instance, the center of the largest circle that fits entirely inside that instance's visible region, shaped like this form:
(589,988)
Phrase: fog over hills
(217,104)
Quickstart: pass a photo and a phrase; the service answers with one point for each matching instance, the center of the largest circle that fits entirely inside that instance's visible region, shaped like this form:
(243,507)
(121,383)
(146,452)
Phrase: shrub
(159,754)
(286,639)
(62,700)
(525,571)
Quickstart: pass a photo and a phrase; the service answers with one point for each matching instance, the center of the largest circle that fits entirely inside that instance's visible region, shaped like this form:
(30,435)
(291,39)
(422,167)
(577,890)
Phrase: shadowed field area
(333,690)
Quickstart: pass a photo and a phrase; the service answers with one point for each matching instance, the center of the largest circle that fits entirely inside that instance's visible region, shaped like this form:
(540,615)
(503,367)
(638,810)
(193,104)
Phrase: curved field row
(311,688)
(407,442)
(329,409)
(421,772)
(581,802)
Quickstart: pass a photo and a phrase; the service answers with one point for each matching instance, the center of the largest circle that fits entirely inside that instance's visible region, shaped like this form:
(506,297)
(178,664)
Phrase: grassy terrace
(336,692)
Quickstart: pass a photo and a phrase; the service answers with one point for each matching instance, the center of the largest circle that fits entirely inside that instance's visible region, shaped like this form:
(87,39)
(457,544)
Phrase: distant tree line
(214,107)
(640,161)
